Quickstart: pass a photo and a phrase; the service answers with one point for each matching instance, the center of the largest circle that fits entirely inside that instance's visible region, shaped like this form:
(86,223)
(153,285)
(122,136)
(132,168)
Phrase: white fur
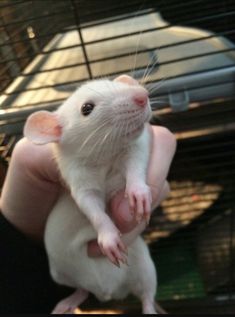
(66,237)
(98,155)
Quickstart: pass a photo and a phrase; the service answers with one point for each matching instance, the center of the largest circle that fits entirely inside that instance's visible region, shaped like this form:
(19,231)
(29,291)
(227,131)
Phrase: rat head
(99,113)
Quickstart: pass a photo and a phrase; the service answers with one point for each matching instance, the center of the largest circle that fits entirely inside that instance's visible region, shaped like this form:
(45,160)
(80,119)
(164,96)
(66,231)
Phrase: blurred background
(184,53)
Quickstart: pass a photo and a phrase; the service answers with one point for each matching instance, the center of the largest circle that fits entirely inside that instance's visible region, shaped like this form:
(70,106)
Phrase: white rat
(101,145)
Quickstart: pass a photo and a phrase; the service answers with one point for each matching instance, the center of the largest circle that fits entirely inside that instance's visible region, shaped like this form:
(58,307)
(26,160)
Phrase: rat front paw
(140,200)
(112,246)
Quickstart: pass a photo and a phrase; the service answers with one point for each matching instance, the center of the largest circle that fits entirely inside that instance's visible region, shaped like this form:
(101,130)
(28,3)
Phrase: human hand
(31,187)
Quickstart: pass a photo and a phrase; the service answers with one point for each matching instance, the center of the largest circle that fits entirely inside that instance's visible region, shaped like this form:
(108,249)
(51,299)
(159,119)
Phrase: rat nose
(141,100)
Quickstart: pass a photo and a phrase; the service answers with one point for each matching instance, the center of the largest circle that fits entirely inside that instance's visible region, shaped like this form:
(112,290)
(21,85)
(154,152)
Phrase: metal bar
(195,148)
(49,15)
(224,33)
(120,55)
(85,79)
(77,21)
(127,35)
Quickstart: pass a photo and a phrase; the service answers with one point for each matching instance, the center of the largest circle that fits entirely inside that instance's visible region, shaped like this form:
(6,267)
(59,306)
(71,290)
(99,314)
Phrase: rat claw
(124,261)
(116,263)
(122,258)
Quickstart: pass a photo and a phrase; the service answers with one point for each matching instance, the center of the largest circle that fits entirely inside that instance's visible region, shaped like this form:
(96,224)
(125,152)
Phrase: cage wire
(184,54)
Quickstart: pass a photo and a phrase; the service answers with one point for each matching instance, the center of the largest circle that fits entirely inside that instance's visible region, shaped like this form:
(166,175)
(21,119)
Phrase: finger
(146,205)
(150,200)
(140,210)
(147,219)
(147,210)
(131,201)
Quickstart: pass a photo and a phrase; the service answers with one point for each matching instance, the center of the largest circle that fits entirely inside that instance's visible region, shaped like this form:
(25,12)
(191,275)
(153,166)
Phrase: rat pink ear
(43,127)
(127,80)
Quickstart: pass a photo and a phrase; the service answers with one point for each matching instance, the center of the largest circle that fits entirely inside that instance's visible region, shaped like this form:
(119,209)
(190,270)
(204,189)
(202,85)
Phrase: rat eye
(87,108)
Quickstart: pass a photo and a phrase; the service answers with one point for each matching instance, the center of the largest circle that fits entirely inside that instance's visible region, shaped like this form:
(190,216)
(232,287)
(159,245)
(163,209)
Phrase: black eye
(87,108)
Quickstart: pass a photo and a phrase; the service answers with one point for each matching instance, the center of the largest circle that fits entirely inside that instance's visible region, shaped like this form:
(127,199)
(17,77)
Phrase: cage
(184,51)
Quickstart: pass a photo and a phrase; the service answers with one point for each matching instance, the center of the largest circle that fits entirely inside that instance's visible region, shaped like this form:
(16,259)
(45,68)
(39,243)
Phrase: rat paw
(70,303)
(140,200)
(112,246)
(64,307)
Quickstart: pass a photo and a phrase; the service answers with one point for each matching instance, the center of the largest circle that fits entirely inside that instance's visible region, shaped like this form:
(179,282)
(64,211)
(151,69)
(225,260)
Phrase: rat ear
(43,127)
(127,80)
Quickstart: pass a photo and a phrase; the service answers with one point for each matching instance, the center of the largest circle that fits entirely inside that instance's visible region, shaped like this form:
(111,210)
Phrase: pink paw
(140,200)
(112,246)
(70,303)
(64,308)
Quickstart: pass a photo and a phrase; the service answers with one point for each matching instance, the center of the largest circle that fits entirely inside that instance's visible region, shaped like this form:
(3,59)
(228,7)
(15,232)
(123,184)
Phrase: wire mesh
(185,54)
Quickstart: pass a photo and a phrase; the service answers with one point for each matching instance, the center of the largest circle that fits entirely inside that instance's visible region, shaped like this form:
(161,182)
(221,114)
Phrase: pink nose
(141,100)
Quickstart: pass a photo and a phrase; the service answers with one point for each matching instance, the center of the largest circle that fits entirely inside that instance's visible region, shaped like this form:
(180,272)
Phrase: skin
(33,184)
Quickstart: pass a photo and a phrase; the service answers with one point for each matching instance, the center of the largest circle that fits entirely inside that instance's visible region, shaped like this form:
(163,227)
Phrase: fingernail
(147,219)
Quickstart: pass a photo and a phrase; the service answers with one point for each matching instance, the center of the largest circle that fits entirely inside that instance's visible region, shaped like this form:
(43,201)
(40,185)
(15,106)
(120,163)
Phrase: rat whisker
(114,137)
(105,138)
(93,133)
(127,127)
(136,54)
(156,100)
(139,35)
(109,86)
(159,84)
(150,69)
(102,144)
(119,130)
(95,146)
(146,72)
(99,93)
(113,87)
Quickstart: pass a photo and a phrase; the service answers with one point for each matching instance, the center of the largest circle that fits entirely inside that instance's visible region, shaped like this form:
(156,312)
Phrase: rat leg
(70,303)
(137,191)
(92,204)
(146,289)
(140,200)
(143,277)
(89,195)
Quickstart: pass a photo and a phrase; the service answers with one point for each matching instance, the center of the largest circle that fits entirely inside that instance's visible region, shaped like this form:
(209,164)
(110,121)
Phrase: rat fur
(101,144)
